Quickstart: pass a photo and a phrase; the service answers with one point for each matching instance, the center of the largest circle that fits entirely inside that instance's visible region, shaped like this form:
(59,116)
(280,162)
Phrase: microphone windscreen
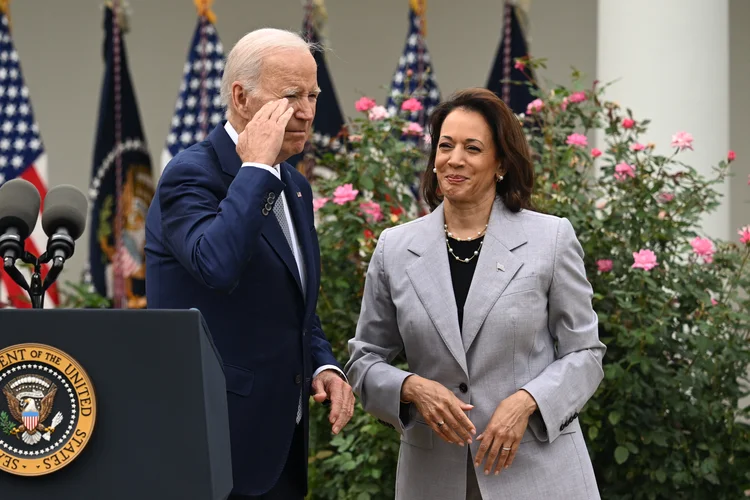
(64,206)
(19,206)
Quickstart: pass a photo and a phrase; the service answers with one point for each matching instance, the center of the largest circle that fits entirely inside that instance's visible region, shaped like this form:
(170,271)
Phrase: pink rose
(665,197)
(355,138)
(520,66)
(577,97)
(564,105)
(662,215)
(628,123)
(714,301)
(731,155)
(604,265)
(682,140)
(372,209)
(343,194)
(365,104)
(413,129)
(644,259)
(535,105)
(637,147)
(623,171)
(411,105)
(744,235)
(378,113)
(601,204)
(318,203)
(578,140)
(703,247)
(596,153)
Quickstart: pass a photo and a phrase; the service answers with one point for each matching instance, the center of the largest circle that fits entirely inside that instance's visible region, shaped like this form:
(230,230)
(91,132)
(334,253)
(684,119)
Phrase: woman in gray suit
(490,304)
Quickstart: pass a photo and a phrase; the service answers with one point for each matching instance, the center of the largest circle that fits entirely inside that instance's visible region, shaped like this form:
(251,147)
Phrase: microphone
(19,209)
(63,220)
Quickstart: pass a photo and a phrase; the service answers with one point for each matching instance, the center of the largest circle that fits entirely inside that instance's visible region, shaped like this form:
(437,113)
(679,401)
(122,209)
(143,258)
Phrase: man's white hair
(245,60)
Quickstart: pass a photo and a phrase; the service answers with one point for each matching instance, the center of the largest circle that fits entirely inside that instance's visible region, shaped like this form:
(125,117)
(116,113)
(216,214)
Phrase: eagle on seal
(22,395)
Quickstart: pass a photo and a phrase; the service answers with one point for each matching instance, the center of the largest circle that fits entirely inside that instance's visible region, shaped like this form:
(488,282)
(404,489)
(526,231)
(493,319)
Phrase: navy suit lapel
(296,205)
(231,163)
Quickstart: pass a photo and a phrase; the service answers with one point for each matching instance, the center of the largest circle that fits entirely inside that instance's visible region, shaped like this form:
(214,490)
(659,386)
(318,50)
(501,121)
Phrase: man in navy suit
(231,232)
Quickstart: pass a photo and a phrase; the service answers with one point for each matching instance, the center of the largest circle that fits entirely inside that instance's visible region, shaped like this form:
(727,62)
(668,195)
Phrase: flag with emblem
(415,76)
(505,69)
(198,109)
(121,186)
(329,119)
(21,155)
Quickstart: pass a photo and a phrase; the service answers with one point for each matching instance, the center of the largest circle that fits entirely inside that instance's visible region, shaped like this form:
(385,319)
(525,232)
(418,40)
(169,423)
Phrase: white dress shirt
(275,170)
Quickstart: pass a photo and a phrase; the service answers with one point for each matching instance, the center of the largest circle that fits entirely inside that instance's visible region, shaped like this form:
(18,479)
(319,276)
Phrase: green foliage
(5,423)
(665,422)
(360,463)
(81,296)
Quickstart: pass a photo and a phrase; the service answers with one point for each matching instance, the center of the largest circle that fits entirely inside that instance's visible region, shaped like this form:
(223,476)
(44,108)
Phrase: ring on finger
(506,449)
(440,424)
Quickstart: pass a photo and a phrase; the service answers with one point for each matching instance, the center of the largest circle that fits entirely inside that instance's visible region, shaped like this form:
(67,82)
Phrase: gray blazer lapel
(431,278)
(496,267)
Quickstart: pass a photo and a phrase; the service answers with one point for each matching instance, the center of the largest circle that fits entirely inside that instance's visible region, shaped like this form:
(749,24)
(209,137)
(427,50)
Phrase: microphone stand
(37,288)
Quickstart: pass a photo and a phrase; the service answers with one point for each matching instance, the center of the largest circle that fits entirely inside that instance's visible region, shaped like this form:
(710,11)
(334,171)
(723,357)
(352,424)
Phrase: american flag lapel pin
(299,195)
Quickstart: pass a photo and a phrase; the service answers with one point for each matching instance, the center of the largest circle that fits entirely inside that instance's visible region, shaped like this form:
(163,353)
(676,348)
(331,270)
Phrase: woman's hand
(441,409)
(504,432)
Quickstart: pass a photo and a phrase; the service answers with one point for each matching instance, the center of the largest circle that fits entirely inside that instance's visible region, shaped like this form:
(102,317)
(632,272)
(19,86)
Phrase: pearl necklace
(448,234)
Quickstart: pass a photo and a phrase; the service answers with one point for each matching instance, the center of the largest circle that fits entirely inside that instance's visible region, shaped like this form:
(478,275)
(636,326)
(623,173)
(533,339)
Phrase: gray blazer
(528,324)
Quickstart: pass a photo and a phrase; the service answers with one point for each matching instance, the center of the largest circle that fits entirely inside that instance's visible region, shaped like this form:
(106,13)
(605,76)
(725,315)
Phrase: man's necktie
(280,212)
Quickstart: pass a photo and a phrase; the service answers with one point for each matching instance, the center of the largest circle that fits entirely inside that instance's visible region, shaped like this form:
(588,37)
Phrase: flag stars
(8,127)
(12,92)
(35,143)
(5,144)
(19,144)
(10,109)
(17,162)
(215,118)
(186,137)
(191,101)
(23,109)
(189,120)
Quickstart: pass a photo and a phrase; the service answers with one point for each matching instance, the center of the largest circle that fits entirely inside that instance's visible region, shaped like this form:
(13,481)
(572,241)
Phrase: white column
(672,61)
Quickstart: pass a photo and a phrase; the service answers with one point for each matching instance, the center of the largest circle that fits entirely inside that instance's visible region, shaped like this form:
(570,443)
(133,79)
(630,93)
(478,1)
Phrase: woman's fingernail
(497,472)
(486,473)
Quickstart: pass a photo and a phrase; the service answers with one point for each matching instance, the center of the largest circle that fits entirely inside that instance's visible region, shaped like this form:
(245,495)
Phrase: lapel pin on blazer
(500,267)
(299,194)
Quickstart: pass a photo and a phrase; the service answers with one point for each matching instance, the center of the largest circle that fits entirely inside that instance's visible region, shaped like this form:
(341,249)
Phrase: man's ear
(240,100)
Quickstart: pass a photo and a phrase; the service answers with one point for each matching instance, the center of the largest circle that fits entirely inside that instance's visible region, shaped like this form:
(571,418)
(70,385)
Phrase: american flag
(21,155)
(198,108)
(415,68)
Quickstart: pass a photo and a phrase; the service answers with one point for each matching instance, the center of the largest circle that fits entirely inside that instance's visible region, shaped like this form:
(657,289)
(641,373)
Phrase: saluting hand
(263,136)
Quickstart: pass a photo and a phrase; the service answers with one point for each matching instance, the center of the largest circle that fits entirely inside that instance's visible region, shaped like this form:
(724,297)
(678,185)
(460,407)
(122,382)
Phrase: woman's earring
(434,170)
(499,178)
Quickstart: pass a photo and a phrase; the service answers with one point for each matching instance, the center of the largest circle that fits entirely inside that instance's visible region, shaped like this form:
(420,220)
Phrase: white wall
(60,42)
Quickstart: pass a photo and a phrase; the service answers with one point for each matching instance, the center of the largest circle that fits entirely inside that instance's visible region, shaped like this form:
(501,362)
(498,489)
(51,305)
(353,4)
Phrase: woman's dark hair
(510,144)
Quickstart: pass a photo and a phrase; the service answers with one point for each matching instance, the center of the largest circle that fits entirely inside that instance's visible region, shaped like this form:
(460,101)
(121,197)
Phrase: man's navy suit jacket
(213,243)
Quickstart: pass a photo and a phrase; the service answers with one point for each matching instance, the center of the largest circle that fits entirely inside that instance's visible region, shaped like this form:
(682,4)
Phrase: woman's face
(466,159)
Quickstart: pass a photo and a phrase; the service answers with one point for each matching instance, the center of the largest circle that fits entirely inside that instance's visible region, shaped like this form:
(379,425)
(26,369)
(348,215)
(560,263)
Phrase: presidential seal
(47,411)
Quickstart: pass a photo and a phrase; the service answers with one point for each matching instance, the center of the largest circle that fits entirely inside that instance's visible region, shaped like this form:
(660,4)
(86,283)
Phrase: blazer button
(304,332)
(271,196)
(264,211)
(463,388)
(298,379)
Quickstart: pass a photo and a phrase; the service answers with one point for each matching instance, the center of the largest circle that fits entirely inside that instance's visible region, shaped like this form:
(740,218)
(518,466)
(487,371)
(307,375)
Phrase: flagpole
(506,51)
(5,9)
(206,16)
(118,291)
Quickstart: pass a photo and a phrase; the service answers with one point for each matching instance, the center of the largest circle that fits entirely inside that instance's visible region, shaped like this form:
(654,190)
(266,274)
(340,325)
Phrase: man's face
(291,74)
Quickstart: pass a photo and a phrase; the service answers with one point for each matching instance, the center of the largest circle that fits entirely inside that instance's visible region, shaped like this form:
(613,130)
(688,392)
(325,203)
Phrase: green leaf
(593,432)
(621,454)
(660,475)
(614,417)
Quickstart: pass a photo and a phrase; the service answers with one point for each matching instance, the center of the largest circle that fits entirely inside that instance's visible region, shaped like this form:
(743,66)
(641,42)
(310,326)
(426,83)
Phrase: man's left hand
(329,385)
